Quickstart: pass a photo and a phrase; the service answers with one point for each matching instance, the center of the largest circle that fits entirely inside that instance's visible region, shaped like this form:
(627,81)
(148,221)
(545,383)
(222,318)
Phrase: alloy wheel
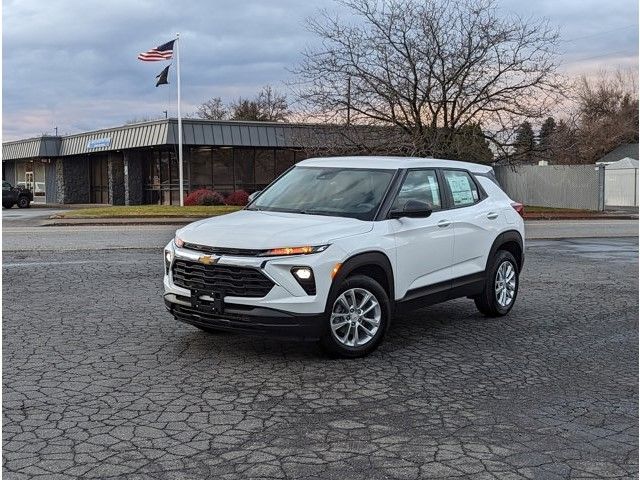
(355,317)
(505,284)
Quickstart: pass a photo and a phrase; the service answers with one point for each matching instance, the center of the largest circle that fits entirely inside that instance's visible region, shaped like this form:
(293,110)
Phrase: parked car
(334,247)
(19,195)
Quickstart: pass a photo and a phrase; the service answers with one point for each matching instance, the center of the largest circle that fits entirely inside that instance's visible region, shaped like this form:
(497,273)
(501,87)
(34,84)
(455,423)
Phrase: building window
(222,166)
(201,174)
(284,160)
(265,167)
(244,159)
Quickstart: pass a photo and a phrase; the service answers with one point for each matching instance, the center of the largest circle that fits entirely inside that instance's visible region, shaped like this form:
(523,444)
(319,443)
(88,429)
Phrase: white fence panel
(560,186)
(621,187)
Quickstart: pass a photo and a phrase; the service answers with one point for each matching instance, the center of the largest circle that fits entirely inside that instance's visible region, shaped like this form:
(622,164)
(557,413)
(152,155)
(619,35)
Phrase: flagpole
(179,122)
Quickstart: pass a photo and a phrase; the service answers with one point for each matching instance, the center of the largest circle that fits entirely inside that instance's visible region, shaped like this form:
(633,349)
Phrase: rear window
(464,190)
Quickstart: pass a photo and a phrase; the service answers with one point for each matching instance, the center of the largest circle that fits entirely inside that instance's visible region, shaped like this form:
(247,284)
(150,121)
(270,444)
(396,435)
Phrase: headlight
(178,241)
(306,250)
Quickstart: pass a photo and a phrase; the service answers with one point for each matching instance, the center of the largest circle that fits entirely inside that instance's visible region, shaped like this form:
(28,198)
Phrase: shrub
(204,197)
(239,197)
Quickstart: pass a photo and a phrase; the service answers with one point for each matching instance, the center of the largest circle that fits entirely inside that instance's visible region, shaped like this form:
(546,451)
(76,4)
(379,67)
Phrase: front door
(99,180)
(424,246)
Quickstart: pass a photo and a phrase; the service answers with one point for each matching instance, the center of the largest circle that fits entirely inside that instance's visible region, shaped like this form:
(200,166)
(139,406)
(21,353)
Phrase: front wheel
(357,318)
(23,202)
(501,286)
(7,205)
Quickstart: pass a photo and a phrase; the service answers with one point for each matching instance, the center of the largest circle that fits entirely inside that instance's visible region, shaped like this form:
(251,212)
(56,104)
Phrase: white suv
(335,246)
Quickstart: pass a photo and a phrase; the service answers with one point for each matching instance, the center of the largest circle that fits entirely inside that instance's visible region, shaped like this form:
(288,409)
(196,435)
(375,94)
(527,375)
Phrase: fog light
(302,273)
(304,276)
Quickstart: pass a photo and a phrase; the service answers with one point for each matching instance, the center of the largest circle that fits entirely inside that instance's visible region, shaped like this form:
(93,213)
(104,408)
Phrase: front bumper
(246,319)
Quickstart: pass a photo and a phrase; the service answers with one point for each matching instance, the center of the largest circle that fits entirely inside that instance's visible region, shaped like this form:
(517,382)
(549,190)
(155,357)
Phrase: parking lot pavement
(100,383)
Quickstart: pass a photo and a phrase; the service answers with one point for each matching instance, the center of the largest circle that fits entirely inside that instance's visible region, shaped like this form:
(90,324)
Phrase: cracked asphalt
(99,382)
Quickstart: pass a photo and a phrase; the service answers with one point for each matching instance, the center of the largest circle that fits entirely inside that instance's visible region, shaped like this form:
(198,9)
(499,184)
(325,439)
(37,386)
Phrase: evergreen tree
(525,142)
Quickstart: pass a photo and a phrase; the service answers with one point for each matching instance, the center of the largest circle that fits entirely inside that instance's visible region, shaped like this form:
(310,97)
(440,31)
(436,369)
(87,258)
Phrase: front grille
(241,252)
(231,280)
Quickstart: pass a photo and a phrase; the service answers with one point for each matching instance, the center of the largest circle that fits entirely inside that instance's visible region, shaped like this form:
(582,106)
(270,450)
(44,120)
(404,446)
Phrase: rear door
(424,246)
(476,220)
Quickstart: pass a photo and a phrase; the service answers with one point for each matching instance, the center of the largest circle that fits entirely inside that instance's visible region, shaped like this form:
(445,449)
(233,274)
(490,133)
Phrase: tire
(369,323)
(23,202)
(7,205)
(497,299)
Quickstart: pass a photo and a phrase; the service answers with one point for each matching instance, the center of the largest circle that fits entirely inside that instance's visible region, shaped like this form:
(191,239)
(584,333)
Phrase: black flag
(162,78)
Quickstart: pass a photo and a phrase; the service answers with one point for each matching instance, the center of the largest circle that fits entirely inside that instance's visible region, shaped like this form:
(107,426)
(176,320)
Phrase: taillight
(518,207)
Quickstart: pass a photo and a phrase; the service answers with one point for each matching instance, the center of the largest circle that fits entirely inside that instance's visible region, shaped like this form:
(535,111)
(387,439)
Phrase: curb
(70,222)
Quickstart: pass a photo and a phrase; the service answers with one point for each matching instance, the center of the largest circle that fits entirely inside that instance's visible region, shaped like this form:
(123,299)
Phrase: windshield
(340,192)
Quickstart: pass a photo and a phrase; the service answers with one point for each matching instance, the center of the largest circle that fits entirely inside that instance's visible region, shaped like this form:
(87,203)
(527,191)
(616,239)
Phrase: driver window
(6,186)
(420,185)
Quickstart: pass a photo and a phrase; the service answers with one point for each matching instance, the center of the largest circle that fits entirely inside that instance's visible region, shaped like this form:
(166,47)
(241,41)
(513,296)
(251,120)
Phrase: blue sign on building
(99,143)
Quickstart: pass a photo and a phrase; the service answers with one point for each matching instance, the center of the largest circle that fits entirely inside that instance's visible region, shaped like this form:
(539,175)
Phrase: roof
(392,163)
(629,150)
(195,132)
(625,163)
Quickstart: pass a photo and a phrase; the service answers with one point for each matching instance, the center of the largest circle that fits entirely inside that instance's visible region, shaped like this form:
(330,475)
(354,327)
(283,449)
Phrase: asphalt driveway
(100,383)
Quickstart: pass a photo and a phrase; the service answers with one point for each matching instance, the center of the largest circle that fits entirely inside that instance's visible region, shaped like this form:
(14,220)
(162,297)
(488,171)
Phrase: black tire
(331,344)
(487,302)
(7,205)
(23,202)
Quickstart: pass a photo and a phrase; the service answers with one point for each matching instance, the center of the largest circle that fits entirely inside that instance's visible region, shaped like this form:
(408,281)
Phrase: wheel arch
(374,264)
(511,241)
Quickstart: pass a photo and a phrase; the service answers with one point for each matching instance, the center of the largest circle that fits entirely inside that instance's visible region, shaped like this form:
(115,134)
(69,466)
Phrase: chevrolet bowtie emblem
(208,259)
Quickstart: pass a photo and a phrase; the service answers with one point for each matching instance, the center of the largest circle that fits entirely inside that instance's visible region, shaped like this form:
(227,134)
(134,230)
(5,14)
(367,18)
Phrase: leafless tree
(430,68)
(607,112)
(273,105)
(213,109)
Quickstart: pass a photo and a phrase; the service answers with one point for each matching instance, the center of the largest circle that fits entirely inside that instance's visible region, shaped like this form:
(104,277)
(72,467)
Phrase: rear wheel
(23,202)
(357,318)
(501,286)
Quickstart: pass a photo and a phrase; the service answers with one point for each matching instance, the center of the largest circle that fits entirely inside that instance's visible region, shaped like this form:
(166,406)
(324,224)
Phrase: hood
(252,229)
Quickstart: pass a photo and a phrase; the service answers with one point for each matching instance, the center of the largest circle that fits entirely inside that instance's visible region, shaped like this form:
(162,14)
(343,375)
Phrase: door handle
(492,215)
(444,223)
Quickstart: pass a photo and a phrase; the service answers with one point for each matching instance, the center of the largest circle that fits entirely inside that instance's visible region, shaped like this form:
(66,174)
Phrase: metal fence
(561,186)
(621,187)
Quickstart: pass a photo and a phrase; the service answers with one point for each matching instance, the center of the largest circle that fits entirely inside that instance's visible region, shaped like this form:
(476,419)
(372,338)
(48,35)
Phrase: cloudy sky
(72,63)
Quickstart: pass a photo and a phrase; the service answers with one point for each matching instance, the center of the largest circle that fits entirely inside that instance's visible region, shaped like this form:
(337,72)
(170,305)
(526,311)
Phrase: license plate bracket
(215,306)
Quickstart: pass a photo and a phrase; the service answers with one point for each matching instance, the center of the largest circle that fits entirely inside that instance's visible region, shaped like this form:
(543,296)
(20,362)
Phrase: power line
(635,25)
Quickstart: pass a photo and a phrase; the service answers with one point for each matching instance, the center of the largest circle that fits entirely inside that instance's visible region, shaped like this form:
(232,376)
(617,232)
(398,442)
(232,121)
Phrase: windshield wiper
(316,212)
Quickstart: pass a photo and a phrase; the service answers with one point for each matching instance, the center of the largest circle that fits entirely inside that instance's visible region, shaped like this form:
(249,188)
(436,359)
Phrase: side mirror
(412,209)
(254,195)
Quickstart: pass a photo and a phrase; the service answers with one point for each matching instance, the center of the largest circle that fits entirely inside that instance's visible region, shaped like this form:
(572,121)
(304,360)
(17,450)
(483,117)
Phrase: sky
(72,64)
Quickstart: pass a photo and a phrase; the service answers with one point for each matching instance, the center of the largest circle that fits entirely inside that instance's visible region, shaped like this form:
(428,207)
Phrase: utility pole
(56,129)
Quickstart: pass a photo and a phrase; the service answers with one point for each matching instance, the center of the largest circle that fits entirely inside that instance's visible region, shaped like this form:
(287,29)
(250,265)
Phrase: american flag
(163,52)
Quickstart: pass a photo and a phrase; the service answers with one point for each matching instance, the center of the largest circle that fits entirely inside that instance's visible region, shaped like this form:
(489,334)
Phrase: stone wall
(116,179)
(72,178)
(133,179)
